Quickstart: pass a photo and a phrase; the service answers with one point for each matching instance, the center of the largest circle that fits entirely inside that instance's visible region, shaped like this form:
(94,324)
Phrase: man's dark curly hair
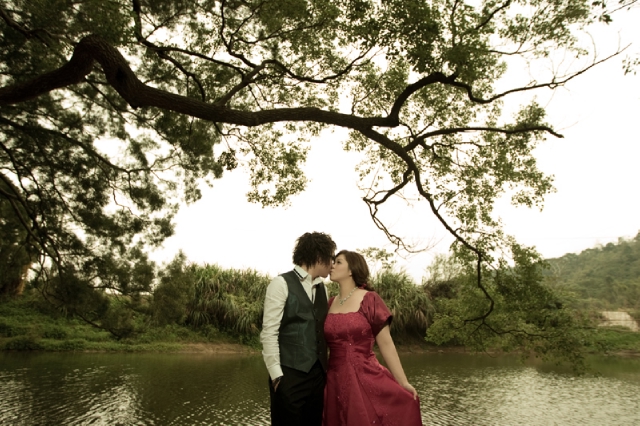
(312,248)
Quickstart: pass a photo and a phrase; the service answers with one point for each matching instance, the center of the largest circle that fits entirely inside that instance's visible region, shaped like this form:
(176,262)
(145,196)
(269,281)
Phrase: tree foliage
(526,314)
(605,9)
(16,254)
(378,259)
(600,278)
(115,111)
(173,292)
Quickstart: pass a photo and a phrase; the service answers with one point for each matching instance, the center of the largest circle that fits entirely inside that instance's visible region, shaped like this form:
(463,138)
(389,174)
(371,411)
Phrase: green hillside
(604,278)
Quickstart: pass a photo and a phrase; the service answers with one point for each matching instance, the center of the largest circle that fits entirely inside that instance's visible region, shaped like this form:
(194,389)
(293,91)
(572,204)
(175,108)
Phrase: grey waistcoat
(301,333)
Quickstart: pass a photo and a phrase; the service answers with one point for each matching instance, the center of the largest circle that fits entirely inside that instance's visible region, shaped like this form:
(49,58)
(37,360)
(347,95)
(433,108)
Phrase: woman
(360,391)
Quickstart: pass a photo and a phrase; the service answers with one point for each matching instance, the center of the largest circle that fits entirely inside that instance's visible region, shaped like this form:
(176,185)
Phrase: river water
(188,389)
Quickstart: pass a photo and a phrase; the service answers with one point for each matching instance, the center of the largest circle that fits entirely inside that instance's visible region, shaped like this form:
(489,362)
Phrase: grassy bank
(28,323)
(205,308)
(617,341)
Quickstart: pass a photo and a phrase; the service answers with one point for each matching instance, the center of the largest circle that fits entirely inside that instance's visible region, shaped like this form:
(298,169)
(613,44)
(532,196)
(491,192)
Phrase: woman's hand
(411,389)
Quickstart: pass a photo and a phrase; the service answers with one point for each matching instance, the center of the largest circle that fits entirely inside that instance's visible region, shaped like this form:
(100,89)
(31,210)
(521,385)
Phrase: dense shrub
(9,330)
(23,343)
(174,292)
(54,333)
(71,345)
(119,319)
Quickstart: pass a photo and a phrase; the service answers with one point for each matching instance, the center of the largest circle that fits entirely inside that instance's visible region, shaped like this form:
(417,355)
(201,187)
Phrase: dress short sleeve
(376,312)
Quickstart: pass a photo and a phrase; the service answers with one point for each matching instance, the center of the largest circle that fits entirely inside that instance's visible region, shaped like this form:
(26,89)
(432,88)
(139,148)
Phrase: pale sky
(596,169)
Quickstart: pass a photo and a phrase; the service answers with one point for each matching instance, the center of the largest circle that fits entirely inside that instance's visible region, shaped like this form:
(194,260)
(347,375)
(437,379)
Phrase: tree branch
(551,85)
(436,77)
(419,139)
(120,76)
(413,168)
(490,15)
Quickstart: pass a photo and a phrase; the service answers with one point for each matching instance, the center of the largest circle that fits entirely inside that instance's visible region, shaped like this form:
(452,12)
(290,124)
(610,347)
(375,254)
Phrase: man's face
(325,269)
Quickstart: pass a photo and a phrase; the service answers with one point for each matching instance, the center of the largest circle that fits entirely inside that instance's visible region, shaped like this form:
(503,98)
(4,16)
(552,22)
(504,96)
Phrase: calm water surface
(179,389)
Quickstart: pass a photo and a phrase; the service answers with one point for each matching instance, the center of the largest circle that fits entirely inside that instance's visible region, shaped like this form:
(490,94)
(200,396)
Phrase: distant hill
(604,277)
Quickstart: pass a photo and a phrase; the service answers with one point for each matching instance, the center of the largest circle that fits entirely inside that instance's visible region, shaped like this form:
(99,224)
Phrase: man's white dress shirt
(274,301)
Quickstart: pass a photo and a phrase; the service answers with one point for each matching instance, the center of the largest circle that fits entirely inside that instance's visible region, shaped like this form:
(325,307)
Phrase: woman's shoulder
(370,297)
(372,294)
(375,311)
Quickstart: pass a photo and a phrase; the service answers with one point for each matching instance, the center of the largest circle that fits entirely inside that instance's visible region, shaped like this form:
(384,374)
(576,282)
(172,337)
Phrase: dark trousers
(299,399)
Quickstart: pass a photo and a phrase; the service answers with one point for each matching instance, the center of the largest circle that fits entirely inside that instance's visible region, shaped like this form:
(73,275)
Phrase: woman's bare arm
(390,355)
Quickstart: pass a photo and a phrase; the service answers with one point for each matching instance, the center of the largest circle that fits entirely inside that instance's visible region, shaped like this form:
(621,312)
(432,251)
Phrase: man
(292,336)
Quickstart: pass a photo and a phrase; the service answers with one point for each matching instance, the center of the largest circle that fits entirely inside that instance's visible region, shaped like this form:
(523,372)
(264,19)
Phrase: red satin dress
(360,391)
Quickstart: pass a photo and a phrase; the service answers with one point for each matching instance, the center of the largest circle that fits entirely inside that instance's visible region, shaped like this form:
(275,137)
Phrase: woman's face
(340,269)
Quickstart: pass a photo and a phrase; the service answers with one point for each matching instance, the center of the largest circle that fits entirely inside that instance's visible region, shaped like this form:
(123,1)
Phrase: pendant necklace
(348,296)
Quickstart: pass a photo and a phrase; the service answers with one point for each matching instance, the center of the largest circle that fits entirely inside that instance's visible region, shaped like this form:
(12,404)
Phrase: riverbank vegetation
(207,304)
(30,323)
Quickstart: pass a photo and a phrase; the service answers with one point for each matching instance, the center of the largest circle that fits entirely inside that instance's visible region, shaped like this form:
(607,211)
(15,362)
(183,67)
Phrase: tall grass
(409,303)
(229,299)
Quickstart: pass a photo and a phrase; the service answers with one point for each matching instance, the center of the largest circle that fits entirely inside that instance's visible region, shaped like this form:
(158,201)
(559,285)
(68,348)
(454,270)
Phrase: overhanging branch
(419,139)
(551,85)
(413,169)
(120,76)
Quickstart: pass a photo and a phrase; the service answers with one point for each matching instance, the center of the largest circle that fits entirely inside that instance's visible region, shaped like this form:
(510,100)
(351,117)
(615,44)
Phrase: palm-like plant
(410,305)
(228,299)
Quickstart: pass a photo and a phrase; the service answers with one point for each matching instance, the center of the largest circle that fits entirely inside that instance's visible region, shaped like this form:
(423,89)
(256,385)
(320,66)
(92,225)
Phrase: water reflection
(173,389)
(478,390)
(141,389)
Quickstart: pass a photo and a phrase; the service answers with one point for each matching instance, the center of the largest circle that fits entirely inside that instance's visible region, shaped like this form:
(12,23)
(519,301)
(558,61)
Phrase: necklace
(348,296)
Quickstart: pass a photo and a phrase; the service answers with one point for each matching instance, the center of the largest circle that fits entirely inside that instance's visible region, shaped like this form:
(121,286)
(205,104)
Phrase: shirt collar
(305,277)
